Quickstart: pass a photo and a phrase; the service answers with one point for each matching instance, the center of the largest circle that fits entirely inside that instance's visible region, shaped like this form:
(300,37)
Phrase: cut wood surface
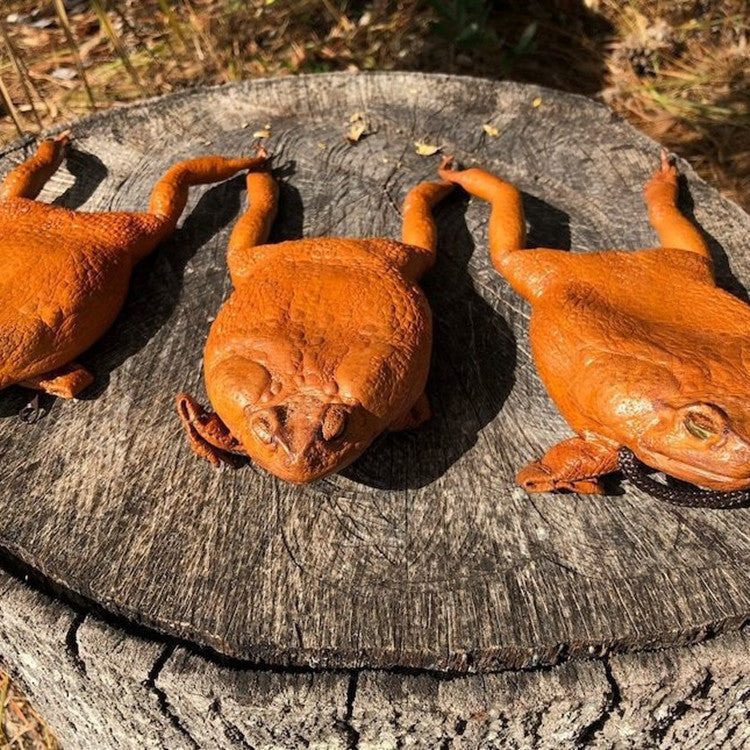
(423,553)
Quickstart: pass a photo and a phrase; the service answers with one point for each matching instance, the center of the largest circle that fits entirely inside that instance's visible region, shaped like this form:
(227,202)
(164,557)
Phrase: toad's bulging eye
(334,422)
(698,427)
(262,428)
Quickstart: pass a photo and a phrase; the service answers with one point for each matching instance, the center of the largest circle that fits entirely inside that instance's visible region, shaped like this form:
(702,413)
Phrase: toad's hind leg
(528,271)
(28,179)
(419,228)
(253,227)
(674,230)
(170,194)
(507,225)
(575,465)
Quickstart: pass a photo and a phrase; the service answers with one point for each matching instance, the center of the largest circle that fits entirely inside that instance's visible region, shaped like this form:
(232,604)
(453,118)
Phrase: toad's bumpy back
(64,274)
(639,350)
(324,343)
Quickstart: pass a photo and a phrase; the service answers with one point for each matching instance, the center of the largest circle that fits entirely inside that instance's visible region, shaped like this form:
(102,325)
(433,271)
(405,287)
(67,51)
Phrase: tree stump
(423,554)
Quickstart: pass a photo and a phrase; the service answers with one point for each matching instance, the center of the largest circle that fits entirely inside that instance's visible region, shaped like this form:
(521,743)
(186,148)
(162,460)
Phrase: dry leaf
(356,116)
(491,130)
(262,133)
(425,149)
(64,74)
(356,131)
(537,102)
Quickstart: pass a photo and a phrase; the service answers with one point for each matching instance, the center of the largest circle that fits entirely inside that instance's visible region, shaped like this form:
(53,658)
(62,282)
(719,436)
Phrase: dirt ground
(676,69)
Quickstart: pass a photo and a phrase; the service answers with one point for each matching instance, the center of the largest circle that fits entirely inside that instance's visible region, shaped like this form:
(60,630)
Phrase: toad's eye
(263,428)
(334,422)
(699,427)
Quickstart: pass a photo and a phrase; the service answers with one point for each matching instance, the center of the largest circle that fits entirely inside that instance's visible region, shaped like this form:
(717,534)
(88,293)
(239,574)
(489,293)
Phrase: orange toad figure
(64,274)
(640,350)
(323,344)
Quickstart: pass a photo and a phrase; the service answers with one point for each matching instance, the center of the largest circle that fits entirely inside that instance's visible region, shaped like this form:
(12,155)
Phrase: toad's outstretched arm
(574,465)
(208,435)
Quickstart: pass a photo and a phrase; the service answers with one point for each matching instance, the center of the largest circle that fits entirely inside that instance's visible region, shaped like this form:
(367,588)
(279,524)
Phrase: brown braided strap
(688,495)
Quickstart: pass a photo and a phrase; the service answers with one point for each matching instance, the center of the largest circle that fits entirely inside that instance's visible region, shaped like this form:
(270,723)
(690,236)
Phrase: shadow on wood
(157,283)
(472,372)
(88,172)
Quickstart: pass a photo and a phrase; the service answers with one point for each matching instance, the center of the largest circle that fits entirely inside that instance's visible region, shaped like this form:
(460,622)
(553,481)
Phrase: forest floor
(678,70)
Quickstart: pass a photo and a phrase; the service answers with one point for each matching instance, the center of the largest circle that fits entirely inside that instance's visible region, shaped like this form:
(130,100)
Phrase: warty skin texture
(64,274)
(323,344)
(659,364)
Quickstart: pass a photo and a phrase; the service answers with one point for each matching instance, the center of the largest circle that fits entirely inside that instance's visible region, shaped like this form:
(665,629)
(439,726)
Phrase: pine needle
(119,49)
(22,73)
(5,96)
(65,23)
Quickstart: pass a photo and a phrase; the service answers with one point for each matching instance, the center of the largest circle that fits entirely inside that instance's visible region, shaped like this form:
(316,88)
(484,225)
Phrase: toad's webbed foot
(574,465)
(65,382)
(208,435)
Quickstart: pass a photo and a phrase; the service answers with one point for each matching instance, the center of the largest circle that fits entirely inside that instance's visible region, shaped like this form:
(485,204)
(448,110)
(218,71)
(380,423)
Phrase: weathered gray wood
(510,709)
(100,686)
(257,708)
(91,682)
(689,698)
(423,553)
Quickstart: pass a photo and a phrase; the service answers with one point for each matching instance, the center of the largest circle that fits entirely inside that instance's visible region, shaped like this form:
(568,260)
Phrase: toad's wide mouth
(703,477)
(301,472)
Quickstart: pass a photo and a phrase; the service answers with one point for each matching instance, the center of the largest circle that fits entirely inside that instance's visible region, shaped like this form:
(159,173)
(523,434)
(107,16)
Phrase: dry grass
(21,728)
(684,79)
(677,69)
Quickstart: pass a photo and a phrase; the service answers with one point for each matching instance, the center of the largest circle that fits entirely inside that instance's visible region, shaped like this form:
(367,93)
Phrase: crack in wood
(679,709)
(345,724)
(613,703)
(71,643)
(231,731)
(161,696)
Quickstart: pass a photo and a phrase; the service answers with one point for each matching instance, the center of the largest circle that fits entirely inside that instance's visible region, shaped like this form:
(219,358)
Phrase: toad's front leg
(574,465)
(209,436)
(64,382)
